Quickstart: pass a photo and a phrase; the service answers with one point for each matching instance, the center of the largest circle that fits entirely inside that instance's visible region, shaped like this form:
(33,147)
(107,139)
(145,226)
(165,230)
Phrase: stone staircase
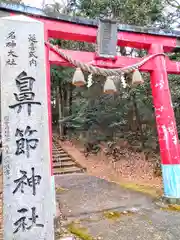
(63,163)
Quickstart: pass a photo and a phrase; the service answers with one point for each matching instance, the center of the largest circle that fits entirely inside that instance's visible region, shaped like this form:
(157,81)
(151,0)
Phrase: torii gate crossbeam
(172,67)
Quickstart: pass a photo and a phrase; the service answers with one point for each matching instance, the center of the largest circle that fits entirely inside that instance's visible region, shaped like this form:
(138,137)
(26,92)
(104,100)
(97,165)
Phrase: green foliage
(136,12)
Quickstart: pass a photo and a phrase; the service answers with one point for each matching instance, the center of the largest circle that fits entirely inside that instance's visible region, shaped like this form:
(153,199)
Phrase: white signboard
(26,158)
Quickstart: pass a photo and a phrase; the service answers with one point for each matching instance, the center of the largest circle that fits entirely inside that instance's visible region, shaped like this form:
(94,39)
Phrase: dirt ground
(96,209)
(134,169)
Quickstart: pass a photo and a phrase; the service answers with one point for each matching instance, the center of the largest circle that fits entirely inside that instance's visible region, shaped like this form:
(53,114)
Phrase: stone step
(63,154)
(61,159)
(64,164)
(67,170)
(56,151)
(57,147)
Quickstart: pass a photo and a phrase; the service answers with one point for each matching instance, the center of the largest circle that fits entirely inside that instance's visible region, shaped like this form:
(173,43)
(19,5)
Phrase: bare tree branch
(173,3)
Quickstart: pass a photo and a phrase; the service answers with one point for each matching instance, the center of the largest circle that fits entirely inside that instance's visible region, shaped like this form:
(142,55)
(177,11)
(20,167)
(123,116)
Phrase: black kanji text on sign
(25,181)
(22,222)
(26,95)
(25,141)
(32,50)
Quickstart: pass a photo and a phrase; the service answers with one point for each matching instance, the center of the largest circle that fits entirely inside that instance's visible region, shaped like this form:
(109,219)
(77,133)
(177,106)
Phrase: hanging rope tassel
(78,78)
(90,80)
(123,81)
(137,78)
(109,86)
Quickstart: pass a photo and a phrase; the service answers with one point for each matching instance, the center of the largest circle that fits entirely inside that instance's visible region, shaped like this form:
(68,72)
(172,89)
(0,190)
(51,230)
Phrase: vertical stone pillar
(24,110)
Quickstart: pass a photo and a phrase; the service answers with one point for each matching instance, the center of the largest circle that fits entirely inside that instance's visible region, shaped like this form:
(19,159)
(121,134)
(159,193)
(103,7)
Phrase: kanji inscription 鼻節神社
(26,158)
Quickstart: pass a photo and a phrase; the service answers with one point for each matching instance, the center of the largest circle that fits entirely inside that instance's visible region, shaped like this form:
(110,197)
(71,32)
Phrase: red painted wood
(88,57)
(48,82)
(165,120)
(71,31)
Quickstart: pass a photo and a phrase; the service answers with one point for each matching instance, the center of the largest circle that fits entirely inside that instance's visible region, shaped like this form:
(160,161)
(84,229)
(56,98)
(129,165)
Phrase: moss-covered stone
(151,191)
(116,215)
(60,190)
(112,215)
(79,231)
(171,207)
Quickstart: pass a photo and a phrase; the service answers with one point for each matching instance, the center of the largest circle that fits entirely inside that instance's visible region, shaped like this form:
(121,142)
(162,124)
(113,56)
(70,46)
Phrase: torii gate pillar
(166,127)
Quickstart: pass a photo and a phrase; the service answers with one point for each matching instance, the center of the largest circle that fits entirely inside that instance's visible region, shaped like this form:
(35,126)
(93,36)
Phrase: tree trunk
(138,120)
(70,98)
(65,97)
(59,103)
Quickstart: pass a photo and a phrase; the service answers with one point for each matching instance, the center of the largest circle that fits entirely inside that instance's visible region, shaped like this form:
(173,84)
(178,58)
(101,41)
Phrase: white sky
(38,3)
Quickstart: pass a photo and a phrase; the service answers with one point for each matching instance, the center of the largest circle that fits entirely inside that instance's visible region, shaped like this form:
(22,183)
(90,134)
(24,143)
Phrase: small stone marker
(27,206)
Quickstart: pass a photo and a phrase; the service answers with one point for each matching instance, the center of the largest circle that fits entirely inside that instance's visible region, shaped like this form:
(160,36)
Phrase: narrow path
(63,163)
(99,209)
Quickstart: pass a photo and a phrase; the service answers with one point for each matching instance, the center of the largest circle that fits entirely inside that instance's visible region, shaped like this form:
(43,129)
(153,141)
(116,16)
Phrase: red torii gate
(158,67)
(79,29)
